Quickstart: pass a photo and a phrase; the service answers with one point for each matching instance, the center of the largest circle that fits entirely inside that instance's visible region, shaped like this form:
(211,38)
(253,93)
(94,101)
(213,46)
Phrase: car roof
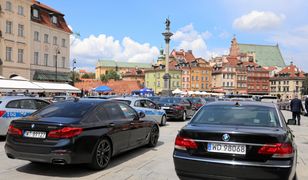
(130,98)
(242,103)
(9,98)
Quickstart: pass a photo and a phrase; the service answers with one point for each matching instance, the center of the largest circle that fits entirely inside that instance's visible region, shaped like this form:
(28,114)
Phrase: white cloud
(188,38)
(258,21)
(87,51)
(294,44)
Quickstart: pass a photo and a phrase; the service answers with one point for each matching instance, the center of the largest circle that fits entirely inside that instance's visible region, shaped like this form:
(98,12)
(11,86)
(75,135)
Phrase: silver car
(147,106)
(14,107)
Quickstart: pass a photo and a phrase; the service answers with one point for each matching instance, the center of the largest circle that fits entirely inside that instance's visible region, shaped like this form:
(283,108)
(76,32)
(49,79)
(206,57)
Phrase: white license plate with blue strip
(226,148)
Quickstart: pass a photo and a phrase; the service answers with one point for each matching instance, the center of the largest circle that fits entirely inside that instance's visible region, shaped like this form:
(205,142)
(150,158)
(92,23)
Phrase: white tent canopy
(22,85)
(177,91)
(17,85)
(57,87)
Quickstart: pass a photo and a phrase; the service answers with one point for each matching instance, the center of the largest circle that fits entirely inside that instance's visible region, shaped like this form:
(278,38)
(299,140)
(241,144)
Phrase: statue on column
(167,24)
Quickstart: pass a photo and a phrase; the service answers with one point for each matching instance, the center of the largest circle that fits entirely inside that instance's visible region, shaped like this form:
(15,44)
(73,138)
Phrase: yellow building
(15,38)
(103,66)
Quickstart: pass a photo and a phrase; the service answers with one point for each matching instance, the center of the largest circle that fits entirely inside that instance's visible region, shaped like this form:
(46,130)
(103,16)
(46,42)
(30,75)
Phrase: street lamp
(74,62)
(56,63)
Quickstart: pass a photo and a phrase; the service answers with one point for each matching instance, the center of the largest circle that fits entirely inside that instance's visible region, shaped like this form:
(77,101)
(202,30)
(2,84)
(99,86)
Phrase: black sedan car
(177,107)
(88,131)
(236,140)
(197,102)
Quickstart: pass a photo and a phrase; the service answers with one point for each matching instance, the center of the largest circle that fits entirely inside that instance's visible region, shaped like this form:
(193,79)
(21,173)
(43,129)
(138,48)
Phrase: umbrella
(177,91)
(102,89)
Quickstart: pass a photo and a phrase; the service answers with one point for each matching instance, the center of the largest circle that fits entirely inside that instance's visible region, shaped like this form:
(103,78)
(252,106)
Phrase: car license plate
(35,134)
(226,148)
(165,107)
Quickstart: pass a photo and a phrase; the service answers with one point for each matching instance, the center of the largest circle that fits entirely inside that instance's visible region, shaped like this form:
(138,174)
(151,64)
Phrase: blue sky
(131,30)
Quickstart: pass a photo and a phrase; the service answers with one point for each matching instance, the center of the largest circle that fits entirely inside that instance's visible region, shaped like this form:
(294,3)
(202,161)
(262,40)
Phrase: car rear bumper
(40,153)
(203,168)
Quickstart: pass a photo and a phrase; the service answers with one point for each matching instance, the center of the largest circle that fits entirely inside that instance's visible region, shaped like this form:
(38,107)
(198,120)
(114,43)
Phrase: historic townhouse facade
(32,37)
(15,38)
(287,83)
(50,44)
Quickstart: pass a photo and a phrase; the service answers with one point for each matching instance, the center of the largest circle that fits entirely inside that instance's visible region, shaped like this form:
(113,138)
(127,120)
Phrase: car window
(137,103)
(150,104)
(114,111)
(129,113)
(66,109)
(40,104)
(13,104)
(233,115)
(27,104)
(101,113)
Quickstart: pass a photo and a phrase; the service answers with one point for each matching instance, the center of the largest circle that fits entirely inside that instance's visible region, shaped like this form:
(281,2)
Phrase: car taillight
(185,143)
(2,113)
(66,132)
(179,107)
(14,131)
(199,105)
(278,150)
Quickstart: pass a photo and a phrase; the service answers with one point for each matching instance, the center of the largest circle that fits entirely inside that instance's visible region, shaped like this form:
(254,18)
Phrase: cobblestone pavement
(142,163)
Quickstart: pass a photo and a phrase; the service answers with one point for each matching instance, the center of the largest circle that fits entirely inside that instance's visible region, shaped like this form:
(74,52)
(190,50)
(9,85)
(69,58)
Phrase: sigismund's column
(167,34)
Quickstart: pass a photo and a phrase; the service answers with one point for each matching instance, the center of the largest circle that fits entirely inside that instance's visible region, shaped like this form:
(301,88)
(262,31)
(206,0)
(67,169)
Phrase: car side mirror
(141,114)
(157,107)
(291,122)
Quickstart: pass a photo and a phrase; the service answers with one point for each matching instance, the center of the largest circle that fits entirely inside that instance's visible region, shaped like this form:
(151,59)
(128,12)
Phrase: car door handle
(111,125)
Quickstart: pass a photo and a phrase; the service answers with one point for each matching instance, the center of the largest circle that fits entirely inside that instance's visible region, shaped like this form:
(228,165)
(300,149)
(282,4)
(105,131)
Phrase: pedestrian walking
(306,105)
(296,108)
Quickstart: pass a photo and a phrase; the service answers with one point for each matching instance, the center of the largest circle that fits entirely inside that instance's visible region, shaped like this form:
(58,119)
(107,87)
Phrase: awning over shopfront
(18,85)
(51,76)
(57,87)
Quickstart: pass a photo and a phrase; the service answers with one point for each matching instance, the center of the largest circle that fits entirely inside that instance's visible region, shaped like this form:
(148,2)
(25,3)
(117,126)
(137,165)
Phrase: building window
(8,6)
(55,40)
(9,53)
(63,62)
(197,85)
(35,13)
(202,86)
(36,58)
(9,27)
(45,59)
(197,78)
(20,10)
(63,43)
(36,36)
(178,84)
(192,78)
(173,84)
(202,78)
(54,20)
(20,55)
(55,63)
(21,29)
(45,38)
(158,83)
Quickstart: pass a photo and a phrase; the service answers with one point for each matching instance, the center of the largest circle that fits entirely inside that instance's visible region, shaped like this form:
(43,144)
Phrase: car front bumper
(202,168)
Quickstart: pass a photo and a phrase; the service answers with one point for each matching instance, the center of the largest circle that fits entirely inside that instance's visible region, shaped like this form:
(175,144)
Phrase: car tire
(184,116)
(102,155)
(163,120)
(153,139)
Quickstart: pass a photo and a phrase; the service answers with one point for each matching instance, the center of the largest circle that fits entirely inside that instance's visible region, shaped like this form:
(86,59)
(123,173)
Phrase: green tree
(110,75)
(85,76)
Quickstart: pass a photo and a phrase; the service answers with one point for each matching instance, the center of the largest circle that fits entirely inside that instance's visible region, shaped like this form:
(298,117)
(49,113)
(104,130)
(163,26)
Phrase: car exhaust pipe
(58,162)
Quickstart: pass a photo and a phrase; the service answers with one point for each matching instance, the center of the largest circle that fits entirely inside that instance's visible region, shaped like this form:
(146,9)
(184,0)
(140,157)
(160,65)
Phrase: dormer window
(35,13)
(54,19)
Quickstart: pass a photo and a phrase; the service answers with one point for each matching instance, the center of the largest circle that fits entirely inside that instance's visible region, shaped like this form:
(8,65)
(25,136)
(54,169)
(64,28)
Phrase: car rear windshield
(59,98)
(237,115)
(195,100)
(66,109)
(170,100)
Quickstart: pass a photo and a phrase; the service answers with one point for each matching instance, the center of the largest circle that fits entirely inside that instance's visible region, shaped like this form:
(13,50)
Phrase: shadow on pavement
(2,138)
(81,169)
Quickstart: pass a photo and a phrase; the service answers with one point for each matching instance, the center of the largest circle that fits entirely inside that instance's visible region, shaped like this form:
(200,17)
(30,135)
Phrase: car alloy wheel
(184,116)
(102,155)
(163,120)
(153,136)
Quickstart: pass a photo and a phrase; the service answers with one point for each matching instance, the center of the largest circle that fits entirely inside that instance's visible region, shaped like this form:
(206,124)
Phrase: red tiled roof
(82,71)
(45,18)
(292,70)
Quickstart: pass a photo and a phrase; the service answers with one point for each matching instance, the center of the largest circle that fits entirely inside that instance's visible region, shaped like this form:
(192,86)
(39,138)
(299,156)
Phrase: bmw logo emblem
(32,126)
(226,137)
